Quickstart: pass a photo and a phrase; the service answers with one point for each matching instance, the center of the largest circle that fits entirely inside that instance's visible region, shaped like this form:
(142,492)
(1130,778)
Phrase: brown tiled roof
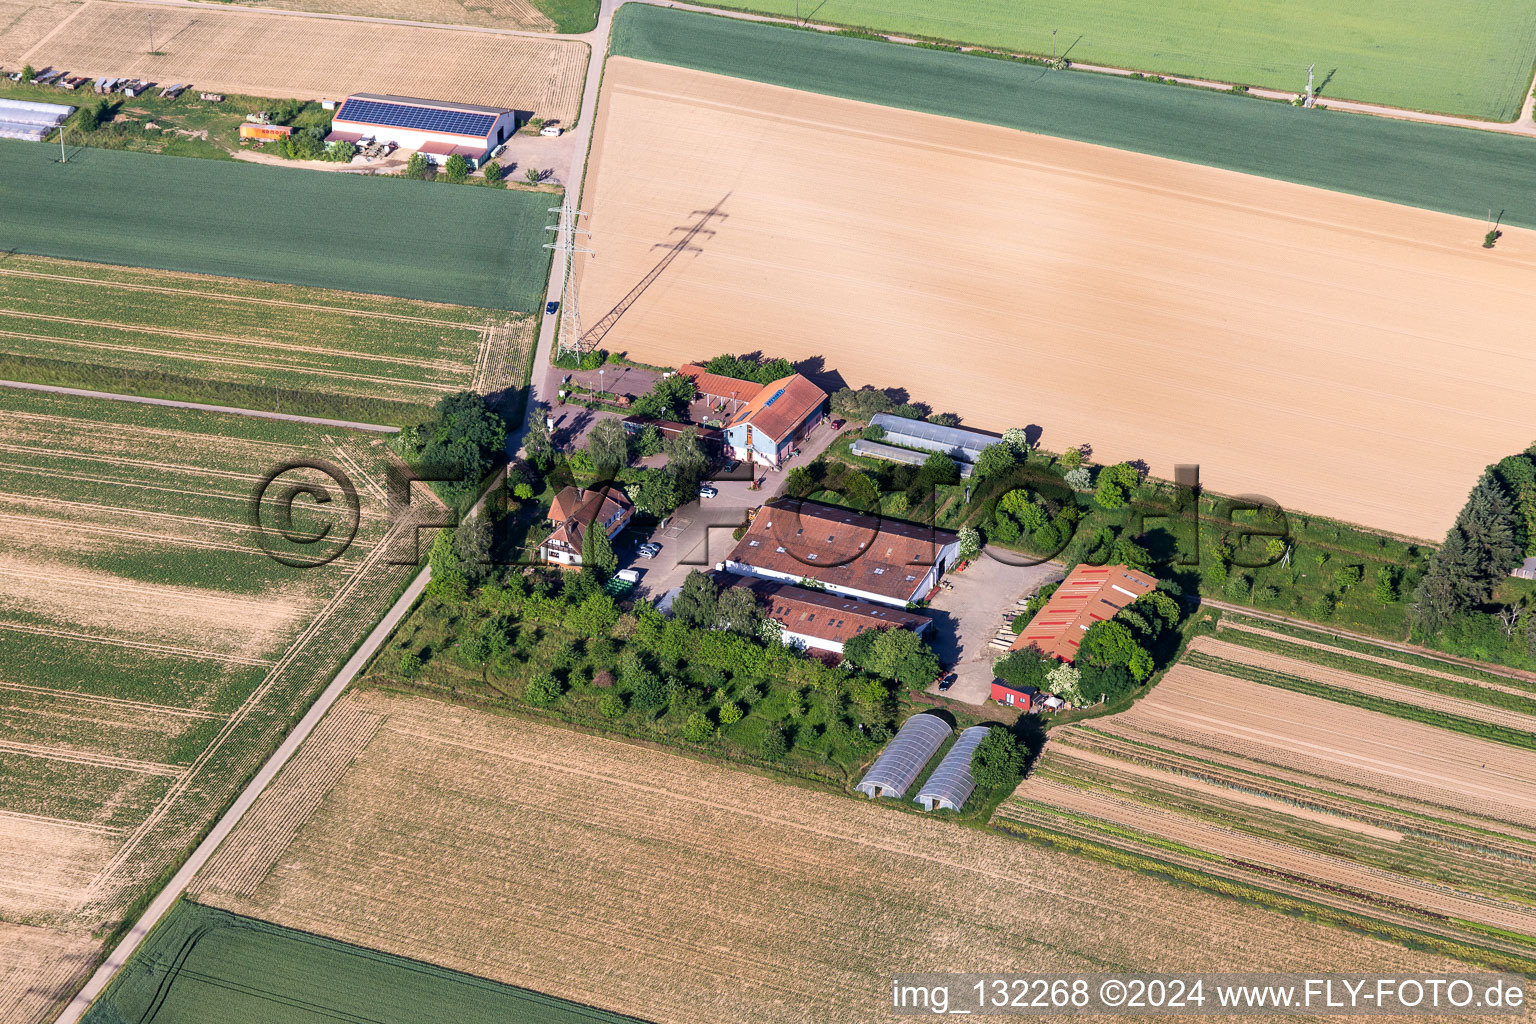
(1089,594)
(574,510)
(720,387)
(826,616)
(841,547)
(782,406)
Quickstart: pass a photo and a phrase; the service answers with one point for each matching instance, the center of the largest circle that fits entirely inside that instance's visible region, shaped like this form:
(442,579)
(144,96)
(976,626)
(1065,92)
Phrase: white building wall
(414,139)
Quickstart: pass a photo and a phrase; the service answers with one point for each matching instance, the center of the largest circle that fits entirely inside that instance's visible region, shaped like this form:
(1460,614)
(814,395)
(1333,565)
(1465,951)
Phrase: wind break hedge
(380,235)
(1451,170)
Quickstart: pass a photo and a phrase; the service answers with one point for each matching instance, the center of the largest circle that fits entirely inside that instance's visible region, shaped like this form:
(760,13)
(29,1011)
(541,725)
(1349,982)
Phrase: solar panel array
(424,119)
(903,758)
(951,784)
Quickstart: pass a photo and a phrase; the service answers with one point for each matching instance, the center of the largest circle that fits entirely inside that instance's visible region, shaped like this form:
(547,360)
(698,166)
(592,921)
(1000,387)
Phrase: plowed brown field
(315,58)
(1314,347)
(647,882)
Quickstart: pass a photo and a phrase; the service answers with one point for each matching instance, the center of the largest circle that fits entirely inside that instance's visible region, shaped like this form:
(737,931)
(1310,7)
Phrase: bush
(775,744)
(456,169)
(873,432)
(998,761)
(697,729)
(341,153)
(418,167)
(494,175)
(542,691)
(730,713)
(410,664)
(610,705)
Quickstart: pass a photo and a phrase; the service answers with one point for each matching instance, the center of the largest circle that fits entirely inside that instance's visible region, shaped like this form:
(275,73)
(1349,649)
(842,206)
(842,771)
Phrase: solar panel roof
(427,119)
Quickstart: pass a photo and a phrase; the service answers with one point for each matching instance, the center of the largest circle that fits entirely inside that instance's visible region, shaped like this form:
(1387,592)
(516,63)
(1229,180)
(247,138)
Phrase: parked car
(706,491)
(551,131)
(730,465)
(649,550)
(946,682)
(550,307)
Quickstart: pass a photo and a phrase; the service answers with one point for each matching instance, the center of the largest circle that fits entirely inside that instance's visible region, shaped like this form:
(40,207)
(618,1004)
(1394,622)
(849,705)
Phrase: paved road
(178,883)
(140,400)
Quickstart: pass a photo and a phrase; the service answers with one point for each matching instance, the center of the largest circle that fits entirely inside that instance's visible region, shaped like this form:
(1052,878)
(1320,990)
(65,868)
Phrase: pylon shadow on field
(691,233)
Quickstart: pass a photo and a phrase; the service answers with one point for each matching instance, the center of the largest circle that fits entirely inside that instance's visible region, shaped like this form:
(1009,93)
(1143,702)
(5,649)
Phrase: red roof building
(1089,594)
(574,512)
(1020,697)
(823,621)
(845,552)
(763,422)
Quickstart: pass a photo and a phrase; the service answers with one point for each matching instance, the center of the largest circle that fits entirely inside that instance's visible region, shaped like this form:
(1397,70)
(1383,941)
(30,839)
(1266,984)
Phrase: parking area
(967,617)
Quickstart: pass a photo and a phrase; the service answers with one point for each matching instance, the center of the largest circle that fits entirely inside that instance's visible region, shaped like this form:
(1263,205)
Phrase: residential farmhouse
(822,621)
(574,512)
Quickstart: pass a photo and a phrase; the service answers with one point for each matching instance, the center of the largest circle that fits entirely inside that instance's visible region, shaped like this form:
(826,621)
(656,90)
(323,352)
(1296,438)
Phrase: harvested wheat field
(1310,346)
(648,883)
(1400,820)
(24,23)
(518,14)
(281,55)
(151,653)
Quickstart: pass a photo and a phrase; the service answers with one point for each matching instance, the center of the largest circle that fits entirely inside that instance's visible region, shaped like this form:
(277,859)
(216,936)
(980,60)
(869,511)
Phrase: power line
(566,231)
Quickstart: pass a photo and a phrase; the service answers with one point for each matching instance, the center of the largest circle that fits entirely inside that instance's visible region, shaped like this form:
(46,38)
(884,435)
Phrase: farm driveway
(967,617)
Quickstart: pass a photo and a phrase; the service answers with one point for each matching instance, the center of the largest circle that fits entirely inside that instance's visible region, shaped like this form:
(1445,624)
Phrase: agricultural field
(317,58)
(440,243)
(206,966)
(152,654)
(649,883)
(1304,345)
(1452,170)
(24,24)
(249,344)
(527,15)
(1462,57)
(1386,784)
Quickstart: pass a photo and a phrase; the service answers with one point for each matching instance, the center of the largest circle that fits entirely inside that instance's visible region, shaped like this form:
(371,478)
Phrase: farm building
(710,438)
(951,784)
(902,760)
(1089,594)
(822,621)
(962,445)
(574,512)
(763,422)
(890,453)
(433,129)
(34,122)
(844,552)
(1021,697)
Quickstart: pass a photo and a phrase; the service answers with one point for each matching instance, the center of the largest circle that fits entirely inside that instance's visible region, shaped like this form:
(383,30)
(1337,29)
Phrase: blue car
(550,307)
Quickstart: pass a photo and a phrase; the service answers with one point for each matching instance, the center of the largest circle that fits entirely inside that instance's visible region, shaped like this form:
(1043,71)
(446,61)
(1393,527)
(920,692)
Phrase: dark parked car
(946,682)
(550,307)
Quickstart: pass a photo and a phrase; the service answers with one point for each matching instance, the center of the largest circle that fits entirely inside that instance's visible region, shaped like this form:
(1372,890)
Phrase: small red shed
(1013,696)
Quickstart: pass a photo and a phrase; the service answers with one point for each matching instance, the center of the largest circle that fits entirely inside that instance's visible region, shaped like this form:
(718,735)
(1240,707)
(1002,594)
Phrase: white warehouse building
(433,129)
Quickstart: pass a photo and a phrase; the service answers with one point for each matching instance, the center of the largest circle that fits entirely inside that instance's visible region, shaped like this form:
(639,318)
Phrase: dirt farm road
(168,403)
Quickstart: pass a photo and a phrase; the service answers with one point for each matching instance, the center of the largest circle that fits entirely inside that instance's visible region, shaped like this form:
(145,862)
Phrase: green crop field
(1470,57)
(1453,170)
(251,344)
(385,236)
(206,966)
(152,654)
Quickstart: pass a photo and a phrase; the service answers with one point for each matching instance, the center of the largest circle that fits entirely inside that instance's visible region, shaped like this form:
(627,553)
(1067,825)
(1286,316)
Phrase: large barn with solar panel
(435,130)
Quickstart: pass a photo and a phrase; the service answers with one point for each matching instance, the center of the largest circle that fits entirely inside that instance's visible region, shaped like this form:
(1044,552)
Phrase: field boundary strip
(231,410)
(105,701)
(231,297)
(169,650)
(74,756)
(167,332)
(1457,171)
